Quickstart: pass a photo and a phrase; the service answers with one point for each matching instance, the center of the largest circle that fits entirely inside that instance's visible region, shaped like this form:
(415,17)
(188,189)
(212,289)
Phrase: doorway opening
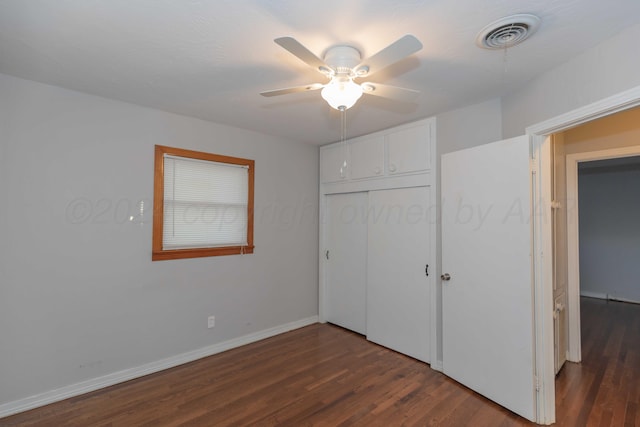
(603,188)
(600,148)
(542,136)
(608,212)
(590,155)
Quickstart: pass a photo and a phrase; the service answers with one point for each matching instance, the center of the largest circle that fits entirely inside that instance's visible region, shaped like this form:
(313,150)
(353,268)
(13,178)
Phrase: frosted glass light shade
(341,94)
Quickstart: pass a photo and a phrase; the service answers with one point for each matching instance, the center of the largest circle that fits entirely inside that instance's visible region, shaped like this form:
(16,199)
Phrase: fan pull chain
(505,61)
(507,44)
(343,140)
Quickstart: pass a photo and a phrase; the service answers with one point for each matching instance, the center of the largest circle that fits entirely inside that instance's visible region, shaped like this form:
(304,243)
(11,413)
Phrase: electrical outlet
(211,322)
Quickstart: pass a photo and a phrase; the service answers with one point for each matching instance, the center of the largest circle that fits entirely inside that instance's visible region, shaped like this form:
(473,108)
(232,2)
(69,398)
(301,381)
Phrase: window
(202,204)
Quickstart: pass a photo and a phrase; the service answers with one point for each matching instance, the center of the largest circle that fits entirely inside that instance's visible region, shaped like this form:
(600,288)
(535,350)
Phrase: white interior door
(488,332)
(398,293)
(346,260)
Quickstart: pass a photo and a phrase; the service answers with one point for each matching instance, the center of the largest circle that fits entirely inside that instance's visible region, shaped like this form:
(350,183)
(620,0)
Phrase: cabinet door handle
(377,170)
(392,167)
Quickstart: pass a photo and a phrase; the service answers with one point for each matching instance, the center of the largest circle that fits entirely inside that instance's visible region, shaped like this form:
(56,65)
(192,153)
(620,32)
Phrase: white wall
(604,70)
(469,126)
(79,295)
(609,206)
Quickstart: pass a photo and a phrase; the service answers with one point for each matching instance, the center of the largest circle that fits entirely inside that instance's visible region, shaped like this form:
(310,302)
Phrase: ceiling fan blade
(294,89)
(392,92)
(391,54)
(304,54)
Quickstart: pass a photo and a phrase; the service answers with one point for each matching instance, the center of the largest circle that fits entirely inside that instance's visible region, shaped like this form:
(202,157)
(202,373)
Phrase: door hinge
(533,165)
(426,270)
(537,383)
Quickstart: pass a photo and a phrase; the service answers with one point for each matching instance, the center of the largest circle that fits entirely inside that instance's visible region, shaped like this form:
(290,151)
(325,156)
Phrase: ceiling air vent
(508,31)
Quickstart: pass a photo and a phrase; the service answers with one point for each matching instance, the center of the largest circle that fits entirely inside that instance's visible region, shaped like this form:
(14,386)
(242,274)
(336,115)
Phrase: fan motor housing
(342,58)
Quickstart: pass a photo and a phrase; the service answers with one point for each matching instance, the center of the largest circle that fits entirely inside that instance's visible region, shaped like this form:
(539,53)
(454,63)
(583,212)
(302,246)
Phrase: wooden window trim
(158,254)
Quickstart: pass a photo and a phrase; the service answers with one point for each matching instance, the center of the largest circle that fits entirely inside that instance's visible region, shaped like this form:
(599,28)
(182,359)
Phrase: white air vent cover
(508,31)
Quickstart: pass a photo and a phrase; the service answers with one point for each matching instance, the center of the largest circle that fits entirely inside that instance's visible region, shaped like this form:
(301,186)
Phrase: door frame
(539,135)
(574,353)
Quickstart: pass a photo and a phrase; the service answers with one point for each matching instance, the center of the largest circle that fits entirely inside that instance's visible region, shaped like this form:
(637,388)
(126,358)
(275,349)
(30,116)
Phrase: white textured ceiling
(211,58)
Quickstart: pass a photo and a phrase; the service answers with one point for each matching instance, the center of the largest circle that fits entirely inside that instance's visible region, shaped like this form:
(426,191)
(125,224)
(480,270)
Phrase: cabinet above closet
(404,150)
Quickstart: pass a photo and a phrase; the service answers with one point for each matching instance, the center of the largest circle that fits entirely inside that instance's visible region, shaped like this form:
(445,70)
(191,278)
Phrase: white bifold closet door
(346,260)
(398,293)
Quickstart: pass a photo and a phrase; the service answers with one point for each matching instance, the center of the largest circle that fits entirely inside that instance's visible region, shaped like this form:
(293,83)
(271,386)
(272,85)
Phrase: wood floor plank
(606,380)
(323,375)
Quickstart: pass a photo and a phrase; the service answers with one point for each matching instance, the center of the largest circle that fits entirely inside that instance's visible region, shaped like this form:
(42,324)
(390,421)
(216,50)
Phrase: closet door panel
(345,260)
(398,292)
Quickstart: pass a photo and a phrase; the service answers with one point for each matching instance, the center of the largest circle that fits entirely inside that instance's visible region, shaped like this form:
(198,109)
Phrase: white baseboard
(622,299)
(608,297)
(590,294)
(437,366)
(93,384)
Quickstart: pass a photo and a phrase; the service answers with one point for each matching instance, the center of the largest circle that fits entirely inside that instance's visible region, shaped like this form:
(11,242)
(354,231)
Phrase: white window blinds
(205,204)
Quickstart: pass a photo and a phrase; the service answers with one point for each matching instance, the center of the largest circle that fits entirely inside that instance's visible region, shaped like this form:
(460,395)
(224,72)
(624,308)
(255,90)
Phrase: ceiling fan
(343,64)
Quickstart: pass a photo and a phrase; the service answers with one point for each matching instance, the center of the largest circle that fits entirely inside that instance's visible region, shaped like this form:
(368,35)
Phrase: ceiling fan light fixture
(341,94)
(342,64)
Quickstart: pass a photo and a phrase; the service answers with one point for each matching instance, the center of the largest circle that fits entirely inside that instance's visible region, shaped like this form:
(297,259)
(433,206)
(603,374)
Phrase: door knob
(446,277)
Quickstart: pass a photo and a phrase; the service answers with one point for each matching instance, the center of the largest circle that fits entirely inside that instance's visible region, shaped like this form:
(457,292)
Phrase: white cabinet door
(409,150)
(333,163)
(346,260)
(487,304)
(367,157)
(398,293)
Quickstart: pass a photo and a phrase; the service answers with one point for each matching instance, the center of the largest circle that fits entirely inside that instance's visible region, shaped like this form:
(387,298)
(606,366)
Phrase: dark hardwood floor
(322,375)
(604,389)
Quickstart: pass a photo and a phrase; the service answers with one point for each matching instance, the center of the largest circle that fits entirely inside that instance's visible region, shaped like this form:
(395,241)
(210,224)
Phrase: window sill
(200,252)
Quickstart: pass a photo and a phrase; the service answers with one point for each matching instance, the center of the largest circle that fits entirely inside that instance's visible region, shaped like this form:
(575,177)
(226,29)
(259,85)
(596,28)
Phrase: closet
(377,237)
